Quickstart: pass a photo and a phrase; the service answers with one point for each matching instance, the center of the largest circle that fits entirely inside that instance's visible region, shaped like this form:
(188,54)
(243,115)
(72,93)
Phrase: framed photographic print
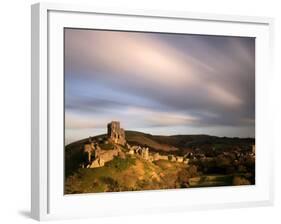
(138,111)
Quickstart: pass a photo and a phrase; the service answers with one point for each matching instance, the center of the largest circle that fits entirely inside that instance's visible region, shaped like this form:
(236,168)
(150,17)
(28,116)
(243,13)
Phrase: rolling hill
(175,144)
(181,143)
(220,167)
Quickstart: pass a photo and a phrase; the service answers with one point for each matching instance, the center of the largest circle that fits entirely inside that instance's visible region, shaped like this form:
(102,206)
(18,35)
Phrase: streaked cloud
(223,96)
(149,81)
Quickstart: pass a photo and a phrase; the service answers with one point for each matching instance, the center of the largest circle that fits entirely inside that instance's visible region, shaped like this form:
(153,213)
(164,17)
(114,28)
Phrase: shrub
(112,184)
(242,169)
(223,161)
(185,174)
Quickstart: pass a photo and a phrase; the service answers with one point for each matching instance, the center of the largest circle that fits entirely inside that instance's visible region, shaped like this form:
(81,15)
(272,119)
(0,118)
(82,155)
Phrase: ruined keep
(115,133)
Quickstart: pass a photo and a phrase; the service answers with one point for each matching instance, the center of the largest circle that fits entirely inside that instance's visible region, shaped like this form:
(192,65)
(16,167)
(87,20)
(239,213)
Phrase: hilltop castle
(115,133)
(102,150)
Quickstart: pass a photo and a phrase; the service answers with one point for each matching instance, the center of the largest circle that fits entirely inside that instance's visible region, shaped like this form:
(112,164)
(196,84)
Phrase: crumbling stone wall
(88,149)
(103,157)
(97,163)
(145,153)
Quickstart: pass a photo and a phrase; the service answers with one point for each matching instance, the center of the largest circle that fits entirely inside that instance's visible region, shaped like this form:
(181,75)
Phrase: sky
(158,83)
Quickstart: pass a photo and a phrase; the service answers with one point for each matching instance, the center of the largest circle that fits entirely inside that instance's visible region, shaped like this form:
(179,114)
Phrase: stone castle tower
(115,133)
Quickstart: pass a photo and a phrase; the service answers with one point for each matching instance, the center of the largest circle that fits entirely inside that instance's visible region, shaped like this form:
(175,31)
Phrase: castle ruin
(115,133)
(97,156)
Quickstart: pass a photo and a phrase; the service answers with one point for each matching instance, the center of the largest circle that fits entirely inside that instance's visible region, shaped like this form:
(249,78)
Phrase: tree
(185,174)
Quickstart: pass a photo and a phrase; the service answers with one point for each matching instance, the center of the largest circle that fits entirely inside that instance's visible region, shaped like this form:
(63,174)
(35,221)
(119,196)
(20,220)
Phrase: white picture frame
(48,201)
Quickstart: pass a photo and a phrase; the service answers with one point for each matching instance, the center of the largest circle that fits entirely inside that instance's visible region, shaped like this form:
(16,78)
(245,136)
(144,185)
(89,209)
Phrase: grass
(134,173)
(99,179)
(89,180)
(163,164)
(211,180)
(120,164)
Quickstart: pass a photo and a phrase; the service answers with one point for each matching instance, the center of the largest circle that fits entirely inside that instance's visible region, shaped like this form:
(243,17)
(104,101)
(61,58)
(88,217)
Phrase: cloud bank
(159,83)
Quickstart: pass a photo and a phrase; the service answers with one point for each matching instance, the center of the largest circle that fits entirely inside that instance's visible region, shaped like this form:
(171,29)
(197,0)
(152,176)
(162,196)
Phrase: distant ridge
(172,142)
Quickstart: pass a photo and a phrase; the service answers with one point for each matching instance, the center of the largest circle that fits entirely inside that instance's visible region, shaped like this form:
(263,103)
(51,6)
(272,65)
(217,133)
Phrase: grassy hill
(134,173)
(182,143)
(175,144)
(129,174)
